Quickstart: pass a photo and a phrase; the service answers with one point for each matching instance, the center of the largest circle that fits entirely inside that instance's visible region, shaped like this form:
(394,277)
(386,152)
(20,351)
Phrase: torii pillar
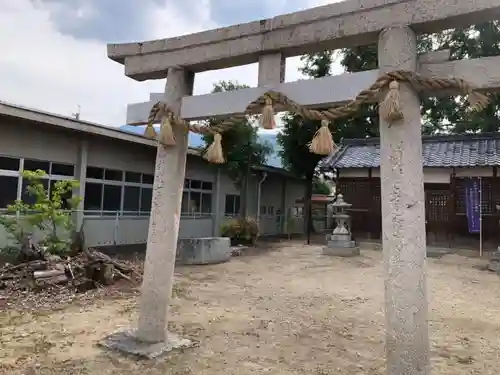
(151,338)
(403,216)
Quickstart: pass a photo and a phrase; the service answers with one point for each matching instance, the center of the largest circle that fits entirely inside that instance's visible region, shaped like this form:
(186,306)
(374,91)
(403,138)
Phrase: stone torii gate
(394,25)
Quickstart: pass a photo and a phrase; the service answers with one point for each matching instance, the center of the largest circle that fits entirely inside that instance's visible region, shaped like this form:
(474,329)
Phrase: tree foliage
(444,114)
(321,187)
(241,147)
(50,215)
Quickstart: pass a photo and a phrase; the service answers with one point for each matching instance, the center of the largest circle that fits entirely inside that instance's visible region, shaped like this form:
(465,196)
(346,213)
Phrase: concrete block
(343,252)
(208,250)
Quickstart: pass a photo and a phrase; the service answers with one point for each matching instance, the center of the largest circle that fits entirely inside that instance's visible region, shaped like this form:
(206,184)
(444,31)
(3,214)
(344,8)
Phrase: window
(132,198)
(62,169)
(197,197)
(146,198)
(33,165)
(112,198)
(26,196)
(9,164)
(148,179)
(113,175)
(10,178)
(95,173)
(93,196)
(8,190)
(115,191)
(133,177)
(232,206)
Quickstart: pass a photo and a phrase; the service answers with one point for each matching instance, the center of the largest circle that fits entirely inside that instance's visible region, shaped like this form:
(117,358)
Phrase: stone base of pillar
(341,245)
(198,251)
(127,343)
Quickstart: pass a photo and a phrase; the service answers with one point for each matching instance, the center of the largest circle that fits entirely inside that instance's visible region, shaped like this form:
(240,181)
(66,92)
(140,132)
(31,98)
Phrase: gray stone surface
(161,248)
(333,26)
(403,217)
(346,251)
(338,237)
(209,250)
(126,342)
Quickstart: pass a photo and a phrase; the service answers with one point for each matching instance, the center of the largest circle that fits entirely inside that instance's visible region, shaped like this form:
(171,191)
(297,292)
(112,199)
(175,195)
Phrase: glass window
(8,190)
(112,198)
(93,196)
(186,183)
(95,173)
(133,177)
(113,175)
(206,203)
(33,165)
(9,164)
(206,185)
(63,169)
(194,202)
(148,179)
(29,198)
(131,199)
(146,198)
(195,184)
(232,205)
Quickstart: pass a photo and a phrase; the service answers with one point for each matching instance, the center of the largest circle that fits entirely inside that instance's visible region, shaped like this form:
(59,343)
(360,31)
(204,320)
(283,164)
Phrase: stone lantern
(340,242)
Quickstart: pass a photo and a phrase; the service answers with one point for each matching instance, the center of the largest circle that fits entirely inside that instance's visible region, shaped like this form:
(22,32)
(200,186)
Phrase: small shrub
(47,214)
(241,231)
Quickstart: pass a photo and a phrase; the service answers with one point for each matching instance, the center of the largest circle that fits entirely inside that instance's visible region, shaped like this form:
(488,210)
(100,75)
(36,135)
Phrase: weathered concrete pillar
(81,177)
(164,221)
(403,217)
(271,69)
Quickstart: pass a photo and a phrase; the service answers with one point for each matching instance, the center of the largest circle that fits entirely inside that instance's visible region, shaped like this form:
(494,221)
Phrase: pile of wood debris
(89,269)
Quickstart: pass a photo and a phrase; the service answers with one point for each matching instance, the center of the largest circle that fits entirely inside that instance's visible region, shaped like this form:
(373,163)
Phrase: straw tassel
(267,116)
(150,131)
(390,108)
(478,101)
(167,136)
(214,151)
(322,143)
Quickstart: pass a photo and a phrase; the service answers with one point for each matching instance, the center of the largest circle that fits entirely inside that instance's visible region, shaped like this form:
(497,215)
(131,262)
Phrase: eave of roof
(76,125)
(458,150)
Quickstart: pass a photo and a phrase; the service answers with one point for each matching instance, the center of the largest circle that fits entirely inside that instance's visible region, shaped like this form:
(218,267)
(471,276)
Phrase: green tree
(320,187)
(297,133)
(444,114)
(241,147)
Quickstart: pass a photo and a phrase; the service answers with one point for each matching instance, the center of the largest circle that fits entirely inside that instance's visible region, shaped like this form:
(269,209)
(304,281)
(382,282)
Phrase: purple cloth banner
(473,204)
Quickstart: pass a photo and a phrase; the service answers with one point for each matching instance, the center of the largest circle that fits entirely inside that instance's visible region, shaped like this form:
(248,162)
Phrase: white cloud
(44,69)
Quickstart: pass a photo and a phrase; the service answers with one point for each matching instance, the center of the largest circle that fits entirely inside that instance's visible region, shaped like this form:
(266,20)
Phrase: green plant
(47,213)
(241,230)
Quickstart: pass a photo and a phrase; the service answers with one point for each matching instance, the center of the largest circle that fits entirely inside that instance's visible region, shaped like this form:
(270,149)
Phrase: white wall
(431,175)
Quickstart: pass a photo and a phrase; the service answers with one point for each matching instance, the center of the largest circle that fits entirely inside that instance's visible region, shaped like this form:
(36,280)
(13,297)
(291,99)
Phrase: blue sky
(54,51)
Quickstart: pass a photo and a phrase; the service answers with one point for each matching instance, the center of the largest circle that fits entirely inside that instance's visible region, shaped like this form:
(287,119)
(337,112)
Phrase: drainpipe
(264,176)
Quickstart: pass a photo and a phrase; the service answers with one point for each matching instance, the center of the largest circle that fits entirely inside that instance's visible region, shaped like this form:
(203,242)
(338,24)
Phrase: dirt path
(290,311)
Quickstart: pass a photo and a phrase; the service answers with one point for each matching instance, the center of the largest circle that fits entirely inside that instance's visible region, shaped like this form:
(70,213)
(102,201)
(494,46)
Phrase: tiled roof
(467,150)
